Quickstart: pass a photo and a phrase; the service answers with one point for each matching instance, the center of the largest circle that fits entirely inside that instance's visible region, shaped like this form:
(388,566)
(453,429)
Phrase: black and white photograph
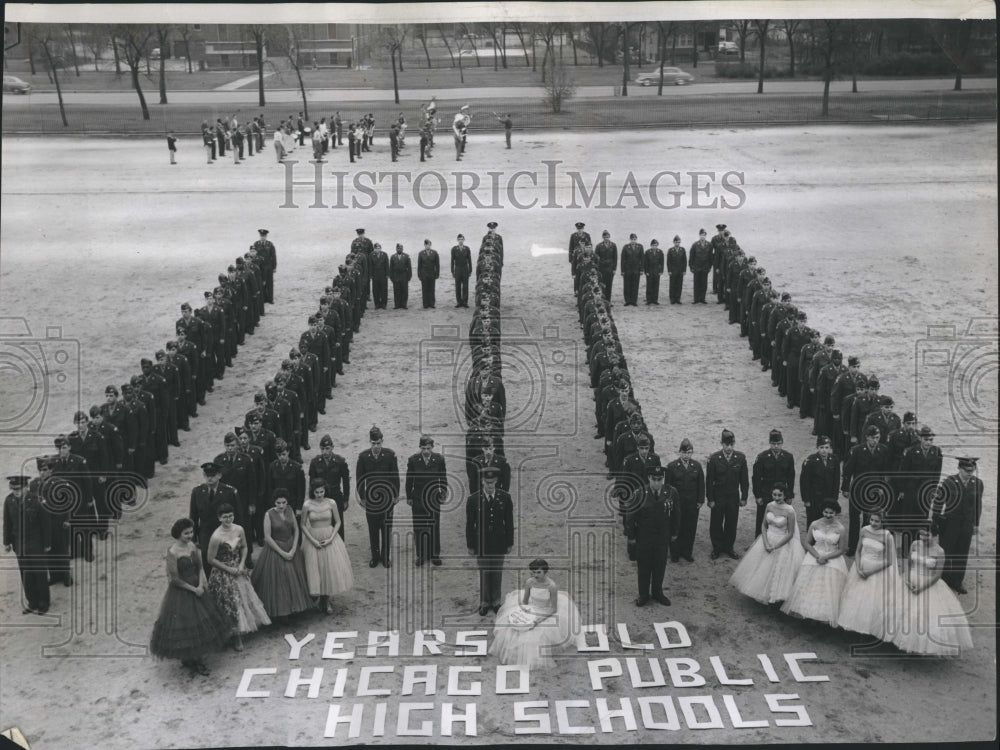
(499,374)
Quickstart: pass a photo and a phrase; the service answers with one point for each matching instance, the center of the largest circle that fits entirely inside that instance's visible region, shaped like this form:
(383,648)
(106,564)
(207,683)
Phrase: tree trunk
(496,56)
(187,54)
(55,74)
(427,54)
(791,54)
(625,62)
(259,45)
(302,90)
(118,62)
(503,45)
(72,49)
(461,71)
(447,46)
(534,54)
(763,49)
(395,80)
(600,47)
(572,43)
(31,56)
(958,80)
(673,49)
(134,70)
(163,78)
(827,75)
(662,52)
(694,45)
(520,38)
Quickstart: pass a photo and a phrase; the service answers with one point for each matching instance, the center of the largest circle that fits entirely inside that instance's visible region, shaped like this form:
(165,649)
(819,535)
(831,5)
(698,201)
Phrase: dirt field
(879,233)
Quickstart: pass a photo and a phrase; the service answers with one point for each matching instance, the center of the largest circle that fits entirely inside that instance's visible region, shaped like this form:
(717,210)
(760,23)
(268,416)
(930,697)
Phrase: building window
(196,26)
(224,60)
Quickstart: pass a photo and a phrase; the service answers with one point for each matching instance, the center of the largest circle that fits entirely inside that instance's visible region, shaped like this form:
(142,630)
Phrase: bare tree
(559,86)
(48,38)
(118,60)
(420,32)
(185,31)
(598,36)
(462,43)
(135,40)
(742,30)
(826,33)
(391,37)
(71,47)
(293,52)
(163,38)
(498,54)
(94,37)
(695,28)
(761,30)
(791,28)
(955,39)
(29,35)
(624,30)
(257,32)
(444,38)
(547,32)
(571,32)
(520,37)
(665,29)
(472,42)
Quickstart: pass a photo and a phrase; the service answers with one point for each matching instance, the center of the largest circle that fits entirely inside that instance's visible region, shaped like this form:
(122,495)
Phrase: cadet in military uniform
(727,485)
(287,476)
(461,270)
(771,466)
(958,509)
(920,472)
(676,268)
(578,240)
(606,252)
(426,488)
(652,527)
(333,469)
(52,495)
(631,265)
(205,501)
(652,266)
(379,262)
(862,477)
(819,479)
(377,484)
(701,260)
(400,271)
(686,476)
(428,270)
(489,535)
(27,532)
(719,254)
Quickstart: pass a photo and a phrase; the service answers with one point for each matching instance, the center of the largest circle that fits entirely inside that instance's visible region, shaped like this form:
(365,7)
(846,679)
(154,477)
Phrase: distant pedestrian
(172,146)
(508,125)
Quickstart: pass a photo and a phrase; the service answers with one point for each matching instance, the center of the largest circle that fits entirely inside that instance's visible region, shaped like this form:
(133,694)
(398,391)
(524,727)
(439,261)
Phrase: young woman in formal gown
(820,581)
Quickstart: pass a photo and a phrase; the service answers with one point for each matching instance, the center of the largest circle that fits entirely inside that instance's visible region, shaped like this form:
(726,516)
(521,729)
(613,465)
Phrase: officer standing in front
(727,485)
(400,271)
(428,270)
(607,262)
(461,270)
(687,477)
(27,532)
(701,261)
(489,535)
(426,488)
(377,484)
(631,265)
(652,527)
(652,266)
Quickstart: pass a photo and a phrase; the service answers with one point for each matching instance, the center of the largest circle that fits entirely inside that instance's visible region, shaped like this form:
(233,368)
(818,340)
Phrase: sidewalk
(241,82)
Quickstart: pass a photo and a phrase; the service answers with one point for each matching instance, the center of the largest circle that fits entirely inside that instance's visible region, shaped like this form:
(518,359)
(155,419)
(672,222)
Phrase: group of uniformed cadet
(861,442)
(94,473)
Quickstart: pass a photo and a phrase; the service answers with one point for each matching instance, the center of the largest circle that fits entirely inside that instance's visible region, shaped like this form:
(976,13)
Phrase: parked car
(671,75)
(15,85)
(729,48)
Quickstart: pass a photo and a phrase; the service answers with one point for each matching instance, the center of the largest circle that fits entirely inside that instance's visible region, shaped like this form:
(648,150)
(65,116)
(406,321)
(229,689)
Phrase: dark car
(14,85)
(671,75)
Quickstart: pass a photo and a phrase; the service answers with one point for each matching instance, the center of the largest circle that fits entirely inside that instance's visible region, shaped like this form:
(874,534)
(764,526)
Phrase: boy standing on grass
(172,146)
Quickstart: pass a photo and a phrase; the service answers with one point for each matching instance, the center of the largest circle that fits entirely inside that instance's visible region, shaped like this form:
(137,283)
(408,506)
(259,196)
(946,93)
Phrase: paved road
(249,96)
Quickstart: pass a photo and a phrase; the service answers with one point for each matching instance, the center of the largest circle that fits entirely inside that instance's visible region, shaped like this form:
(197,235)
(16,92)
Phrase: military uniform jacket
(632,257)
(377,480)
(920,467)
(361,244)
(290,477)
(400,268)
(26,525)
(379,262)
(677,260)
(652,261)
(203,511)
(727,479)
(428,265)
(461,261)
(577,240)
(215,320)
(963,506)
(496,461)
(489,523)
(862,460)
(701,256)
(91,448)
(887,424)
(720,251)
(337,475)
(195,331)
(819,481)
(426,482)
(607,256)
(689,481)
(770,468)
(239,473)
(654,519)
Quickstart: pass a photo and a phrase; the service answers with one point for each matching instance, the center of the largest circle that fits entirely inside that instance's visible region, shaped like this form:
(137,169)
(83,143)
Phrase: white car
(671,75)
(729,48)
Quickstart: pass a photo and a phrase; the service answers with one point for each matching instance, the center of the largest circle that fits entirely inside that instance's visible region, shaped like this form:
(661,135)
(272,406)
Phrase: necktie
(211,496)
